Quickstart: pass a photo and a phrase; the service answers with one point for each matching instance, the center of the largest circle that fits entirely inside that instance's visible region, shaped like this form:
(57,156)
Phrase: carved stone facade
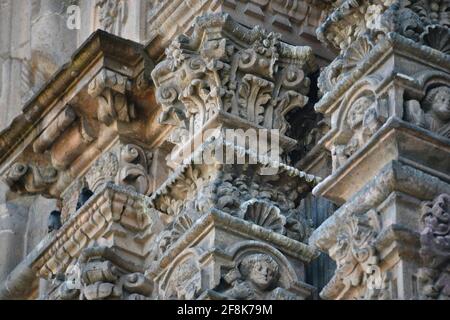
(150,197)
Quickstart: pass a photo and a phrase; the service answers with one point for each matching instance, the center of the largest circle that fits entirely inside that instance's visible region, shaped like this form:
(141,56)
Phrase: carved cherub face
(438,100)
(260,269)
(356,114)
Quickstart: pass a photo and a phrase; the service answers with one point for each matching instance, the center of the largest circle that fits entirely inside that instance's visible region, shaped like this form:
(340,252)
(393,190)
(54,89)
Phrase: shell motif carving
(264,214)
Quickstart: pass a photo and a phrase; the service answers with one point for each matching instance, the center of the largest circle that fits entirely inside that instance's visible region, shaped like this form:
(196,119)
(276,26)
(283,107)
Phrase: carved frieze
(112,15)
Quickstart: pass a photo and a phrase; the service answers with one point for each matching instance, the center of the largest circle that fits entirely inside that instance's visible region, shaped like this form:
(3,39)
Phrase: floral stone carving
(434,277)
(211,73)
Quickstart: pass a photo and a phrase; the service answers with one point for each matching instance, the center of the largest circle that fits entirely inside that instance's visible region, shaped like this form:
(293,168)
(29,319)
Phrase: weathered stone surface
(128,139)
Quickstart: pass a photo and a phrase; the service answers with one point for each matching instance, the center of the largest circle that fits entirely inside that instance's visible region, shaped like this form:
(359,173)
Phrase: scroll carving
(133,170)
(434,111)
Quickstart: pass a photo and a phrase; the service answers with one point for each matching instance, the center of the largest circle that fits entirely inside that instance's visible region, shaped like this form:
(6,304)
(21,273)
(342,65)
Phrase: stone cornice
(389,141)
(99,45)
(110,204)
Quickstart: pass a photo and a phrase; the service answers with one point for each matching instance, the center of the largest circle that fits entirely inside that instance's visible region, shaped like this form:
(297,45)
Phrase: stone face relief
(437,116)
(434,112)
(256,277)
(361,121)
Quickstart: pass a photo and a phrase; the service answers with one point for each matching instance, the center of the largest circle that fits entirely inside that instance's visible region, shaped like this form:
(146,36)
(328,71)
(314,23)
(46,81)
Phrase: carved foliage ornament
(355,27)
(112,15)
(434,277)
(95,277)
(208,73)
(357,260)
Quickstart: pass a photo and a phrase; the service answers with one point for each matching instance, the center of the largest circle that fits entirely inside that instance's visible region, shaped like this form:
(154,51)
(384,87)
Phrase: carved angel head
(355,116)
(260,269)
(437,101)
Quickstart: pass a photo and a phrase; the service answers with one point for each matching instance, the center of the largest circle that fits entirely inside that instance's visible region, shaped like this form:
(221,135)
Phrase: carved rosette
(434,277)
(225,68)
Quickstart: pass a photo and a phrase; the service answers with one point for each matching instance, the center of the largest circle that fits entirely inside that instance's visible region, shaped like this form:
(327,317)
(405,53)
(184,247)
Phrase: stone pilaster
(386,98)
(227,220)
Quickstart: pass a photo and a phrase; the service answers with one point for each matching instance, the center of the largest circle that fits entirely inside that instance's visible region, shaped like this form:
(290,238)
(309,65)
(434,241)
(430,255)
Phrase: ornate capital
(225,68)
(110,89)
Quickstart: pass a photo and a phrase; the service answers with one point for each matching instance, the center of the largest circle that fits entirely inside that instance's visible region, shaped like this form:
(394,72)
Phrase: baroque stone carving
(30,178)
(357,261)
(112,15)
(204,75)
(364,117)
(434,114)
(255,276)
(96,277)
(110,89)
(103,170)
(434,277)
(133,170)
(355,27)
(183,280)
